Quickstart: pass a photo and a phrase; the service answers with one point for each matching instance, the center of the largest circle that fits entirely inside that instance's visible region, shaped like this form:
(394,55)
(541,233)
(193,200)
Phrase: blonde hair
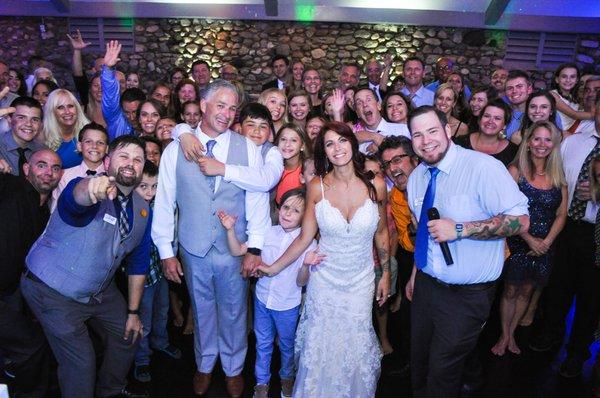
(262,99)
(52,130)
(594,182)
(553,167)
(447,86)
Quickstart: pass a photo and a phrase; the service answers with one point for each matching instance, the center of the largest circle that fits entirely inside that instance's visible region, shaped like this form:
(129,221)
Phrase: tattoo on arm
(496,227)
(384,259)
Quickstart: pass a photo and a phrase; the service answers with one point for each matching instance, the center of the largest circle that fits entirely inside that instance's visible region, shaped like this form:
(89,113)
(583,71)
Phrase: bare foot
(189,328)
(386,347)
(395,306)
(513,347)
(527,319)
(177,319)
(500,347)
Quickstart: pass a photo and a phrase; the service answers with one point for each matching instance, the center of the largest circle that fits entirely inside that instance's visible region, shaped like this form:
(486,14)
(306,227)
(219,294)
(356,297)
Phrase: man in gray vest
(70,268)
(218,291)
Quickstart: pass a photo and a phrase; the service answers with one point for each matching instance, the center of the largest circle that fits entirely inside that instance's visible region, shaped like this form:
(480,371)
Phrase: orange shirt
(290,179)
(402,218)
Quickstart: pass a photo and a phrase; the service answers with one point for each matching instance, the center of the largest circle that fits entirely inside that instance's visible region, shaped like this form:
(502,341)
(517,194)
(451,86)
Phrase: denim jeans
(154,313)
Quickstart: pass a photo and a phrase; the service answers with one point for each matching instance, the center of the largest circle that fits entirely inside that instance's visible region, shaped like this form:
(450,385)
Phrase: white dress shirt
(252,179)
(280,84)
(574,149)
(163,225)
(386,129)
(471,186)
(70,174)
(375,88)
(281,292)
(421,97)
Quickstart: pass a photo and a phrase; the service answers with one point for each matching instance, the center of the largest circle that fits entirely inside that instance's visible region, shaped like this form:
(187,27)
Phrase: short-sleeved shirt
(402,218)
(470,186)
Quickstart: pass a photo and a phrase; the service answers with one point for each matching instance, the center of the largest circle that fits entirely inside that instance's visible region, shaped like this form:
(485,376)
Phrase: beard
(127,181)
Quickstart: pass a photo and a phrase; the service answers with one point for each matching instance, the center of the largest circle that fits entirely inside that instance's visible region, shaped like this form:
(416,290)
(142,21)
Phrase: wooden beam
(61,5)
(494,11)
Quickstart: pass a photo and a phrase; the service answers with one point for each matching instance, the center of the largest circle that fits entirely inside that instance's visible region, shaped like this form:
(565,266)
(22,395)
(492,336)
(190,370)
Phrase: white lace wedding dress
(337,351)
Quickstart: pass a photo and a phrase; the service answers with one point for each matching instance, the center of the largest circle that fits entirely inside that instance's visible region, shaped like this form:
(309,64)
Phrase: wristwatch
(133,312)
(459,230)
(255,251)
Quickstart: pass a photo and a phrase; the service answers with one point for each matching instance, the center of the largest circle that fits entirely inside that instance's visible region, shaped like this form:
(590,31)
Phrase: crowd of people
(301,214)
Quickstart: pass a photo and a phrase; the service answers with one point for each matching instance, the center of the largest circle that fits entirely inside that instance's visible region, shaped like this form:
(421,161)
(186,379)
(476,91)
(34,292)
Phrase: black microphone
(434,214)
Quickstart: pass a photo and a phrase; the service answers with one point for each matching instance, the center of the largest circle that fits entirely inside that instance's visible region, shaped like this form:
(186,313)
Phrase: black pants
(445,324)
(24,343)
(574,274)
(405,264)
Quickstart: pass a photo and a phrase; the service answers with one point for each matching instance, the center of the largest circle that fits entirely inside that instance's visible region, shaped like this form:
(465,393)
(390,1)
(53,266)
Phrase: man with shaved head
(24,213)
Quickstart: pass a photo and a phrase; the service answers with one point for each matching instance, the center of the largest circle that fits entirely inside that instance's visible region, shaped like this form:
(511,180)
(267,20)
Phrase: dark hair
(526,121)
(384,102)
(23,86)
(489,91)
(423,110)
(175,70)
(314,113)
(157,85)
(322,164)
(150,169)
(124,140)
(300,192)
(413,58)
(199,62)
(29,102)
(301,133)
(154,140)
(132,95)
(190,102)
(176,104)
(365,88)
(395,142)
(517,73)
(280,57)
(48,83)
(92,126)
(160,108)
(498,103)
(554,84)
(254,110)
(351,64)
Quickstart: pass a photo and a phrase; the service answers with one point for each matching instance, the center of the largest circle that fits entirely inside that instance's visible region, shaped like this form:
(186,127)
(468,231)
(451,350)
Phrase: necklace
(537,173)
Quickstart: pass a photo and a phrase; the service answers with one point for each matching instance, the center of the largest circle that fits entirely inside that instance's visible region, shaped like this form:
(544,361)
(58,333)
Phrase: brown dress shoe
(201,382)
(235,386)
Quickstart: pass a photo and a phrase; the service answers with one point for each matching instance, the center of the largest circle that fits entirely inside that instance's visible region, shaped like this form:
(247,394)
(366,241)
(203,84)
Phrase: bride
(337,351)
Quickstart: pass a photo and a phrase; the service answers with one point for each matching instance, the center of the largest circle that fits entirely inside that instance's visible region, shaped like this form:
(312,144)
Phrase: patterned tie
(597,238)
(123,219)
(22,160)
(209,154)
(577,208)
(422,241)
(91,172)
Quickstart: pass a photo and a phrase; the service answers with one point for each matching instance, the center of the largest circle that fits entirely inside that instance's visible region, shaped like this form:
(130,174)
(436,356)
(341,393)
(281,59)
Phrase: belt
(30,275)
(477,287)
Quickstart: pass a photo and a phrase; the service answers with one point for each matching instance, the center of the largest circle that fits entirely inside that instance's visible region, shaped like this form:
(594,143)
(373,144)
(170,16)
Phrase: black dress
(506,156)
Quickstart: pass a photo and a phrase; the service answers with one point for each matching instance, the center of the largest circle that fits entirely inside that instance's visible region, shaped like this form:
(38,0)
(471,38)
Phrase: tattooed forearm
(496,227)
(384,258)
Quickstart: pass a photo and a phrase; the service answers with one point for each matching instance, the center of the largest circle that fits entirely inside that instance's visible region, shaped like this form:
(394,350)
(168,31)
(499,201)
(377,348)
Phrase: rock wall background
(249,45)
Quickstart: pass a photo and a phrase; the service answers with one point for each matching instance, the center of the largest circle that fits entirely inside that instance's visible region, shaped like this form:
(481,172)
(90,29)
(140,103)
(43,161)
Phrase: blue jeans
(268,323)
(154,313)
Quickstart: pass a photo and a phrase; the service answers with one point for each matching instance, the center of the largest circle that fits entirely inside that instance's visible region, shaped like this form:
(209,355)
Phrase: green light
(305,12)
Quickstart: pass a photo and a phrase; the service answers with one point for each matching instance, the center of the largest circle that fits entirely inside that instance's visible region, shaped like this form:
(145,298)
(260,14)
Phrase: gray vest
(79,262)
(265,149)
(199,227)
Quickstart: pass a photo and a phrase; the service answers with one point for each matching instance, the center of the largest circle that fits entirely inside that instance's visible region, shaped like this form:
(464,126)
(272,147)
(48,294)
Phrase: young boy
(277,298)
(93,144)
(154,307)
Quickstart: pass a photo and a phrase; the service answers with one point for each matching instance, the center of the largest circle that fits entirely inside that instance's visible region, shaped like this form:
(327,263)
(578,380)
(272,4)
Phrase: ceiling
(574,16)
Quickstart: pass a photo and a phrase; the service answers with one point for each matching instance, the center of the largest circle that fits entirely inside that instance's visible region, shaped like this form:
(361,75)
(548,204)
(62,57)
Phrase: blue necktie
(209,154)
(422,240)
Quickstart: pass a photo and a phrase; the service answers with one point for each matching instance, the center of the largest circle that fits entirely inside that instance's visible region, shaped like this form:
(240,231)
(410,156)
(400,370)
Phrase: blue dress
(519,267)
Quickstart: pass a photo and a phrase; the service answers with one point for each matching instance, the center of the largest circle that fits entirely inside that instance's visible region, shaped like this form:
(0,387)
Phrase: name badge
(110,219)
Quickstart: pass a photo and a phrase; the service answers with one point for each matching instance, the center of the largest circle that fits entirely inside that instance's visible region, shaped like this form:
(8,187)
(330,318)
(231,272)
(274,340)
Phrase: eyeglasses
(396,160)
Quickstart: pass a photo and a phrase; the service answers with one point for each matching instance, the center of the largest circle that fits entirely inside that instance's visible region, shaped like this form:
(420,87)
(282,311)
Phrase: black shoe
(571,367)
(544,343)
(129,392)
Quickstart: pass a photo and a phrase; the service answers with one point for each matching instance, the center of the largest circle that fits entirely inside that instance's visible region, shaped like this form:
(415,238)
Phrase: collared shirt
(280,84)
(116,122)
(70,174)
(257,203)
(76,215)
(515,122)
(23,221)
(281,292)
(9,150)
(470,186)
(251,179)
(421,97)
(5,103)
(386,129)
(574,149)
(402,218)
(375,88)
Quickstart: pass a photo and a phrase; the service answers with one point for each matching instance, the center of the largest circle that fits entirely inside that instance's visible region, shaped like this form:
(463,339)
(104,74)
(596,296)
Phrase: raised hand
(191,146)
(113,49)
(338,101)
(77,41)
(102,187)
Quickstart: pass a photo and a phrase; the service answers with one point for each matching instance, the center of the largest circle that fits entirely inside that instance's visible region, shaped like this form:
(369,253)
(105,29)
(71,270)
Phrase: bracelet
(133,312)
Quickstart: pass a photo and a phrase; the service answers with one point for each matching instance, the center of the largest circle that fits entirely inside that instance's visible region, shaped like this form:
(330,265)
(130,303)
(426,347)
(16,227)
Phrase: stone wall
(250,45)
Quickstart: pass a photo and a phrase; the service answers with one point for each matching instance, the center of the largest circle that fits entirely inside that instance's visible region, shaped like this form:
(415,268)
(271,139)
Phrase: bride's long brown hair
(324,166)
